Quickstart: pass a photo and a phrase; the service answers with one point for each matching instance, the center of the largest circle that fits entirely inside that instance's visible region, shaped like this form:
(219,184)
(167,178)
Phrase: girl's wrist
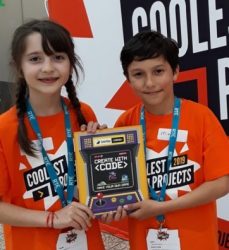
(50,219)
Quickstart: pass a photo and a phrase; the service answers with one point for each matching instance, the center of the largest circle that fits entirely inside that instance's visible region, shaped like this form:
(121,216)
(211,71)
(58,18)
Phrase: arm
(18,216)
(205,193)
(74,215)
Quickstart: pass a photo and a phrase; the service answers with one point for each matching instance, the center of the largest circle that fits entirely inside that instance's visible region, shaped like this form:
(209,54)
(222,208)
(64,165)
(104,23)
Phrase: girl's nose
(47,65)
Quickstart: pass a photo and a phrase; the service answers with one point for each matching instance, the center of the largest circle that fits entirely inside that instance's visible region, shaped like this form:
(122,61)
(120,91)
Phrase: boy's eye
(137,74)
(158,71)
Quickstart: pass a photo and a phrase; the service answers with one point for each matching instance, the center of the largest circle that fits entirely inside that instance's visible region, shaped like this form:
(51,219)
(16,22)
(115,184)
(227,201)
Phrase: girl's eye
(58,57)
(35,59)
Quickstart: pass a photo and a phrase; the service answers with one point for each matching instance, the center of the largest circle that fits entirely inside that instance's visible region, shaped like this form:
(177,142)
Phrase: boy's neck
(164,108)
(45,106)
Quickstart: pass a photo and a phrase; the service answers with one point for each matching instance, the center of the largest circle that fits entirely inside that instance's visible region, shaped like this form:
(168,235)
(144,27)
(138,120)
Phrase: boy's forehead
(160,60)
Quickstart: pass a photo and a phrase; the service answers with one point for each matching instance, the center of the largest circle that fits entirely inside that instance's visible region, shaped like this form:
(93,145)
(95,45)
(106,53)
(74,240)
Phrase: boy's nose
(149,81)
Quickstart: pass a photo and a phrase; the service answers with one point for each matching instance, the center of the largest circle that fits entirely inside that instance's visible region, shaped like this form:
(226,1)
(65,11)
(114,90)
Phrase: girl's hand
(74,215)
(120,214)
(144,209)
(91,127)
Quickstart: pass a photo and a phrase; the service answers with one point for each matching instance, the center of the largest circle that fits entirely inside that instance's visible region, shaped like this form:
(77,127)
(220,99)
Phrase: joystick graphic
(100,201)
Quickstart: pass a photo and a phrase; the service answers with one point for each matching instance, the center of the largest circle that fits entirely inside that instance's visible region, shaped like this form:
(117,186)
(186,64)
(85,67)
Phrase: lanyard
(48,164)
(172,143)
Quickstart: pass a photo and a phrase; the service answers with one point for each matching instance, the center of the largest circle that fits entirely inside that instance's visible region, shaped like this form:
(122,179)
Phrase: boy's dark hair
(55,38)
(146,45)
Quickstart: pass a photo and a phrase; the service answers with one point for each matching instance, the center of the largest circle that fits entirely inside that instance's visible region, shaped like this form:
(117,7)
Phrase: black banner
(201,30)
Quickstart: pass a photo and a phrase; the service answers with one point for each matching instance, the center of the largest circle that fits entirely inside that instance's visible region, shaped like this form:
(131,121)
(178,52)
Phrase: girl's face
(44,75)
(152,80)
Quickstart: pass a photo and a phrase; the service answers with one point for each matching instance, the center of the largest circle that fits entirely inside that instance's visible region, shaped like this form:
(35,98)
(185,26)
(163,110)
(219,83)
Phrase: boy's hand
(120,214)
(144,209)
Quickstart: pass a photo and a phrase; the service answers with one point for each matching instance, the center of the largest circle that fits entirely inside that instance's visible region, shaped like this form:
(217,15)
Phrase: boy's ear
(176,73)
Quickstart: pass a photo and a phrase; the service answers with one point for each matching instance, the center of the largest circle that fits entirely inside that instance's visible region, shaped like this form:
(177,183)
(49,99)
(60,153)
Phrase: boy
(186,152)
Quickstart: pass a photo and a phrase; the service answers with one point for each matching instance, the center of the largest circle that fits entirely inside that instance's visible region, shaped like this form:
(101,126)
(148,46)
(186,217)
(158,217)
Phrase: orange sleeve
(216,148)
(88,112)
(4,177)
(129,117)
(120,122)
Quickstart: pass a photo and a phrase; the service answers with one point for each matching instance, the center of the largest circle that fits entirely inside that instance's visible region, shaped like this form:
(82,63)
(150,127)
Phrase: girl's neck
(45,106)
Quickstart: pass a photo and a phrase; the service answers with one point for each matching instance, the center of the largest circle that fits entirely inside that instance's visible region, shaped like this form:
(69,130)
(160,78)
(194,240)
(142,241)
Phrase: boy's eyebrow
(154,67)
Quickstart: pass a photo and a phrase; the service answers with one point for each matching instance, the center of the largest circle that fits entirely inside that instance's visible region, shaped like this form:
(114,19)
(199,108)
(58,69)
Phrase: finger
(106,218)
(84,208)
(110,217)
(80,216)
(137,214)
(90,126)
(124,214)
(131,207)
(118,214)
(80,220)
(76,225)
(94,127)
(84,217)
(103,218)
(103,126)
(83,127)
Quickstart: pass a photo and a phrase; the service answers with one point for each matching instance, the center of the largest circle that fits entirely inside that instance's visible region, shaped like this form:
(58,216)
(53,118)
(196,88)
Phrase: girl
(37,182)
(186,153)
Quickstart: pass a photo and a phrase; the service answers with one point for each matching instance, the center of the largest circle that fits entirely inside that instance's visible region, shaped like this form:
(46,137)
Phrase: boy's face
(152,80)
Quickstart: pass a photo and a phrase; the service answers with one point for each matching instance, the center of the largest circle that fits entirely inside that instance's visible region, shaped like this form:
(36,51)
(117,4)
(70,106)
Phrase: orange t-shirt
(201,154)
(23,176)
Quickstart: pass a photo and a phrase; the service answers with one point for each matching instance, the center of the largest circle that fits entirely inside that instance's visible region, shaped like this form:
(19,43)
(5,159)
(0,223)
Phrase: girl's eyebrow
(34,53)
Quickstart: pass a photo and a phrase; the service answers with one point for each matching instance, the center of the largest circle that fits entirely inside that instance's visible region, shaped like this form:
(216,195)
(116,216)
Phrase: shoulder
(84,106)
(8,125)
(8,119)
(87,111)
(199,116)
(195,108)
(130,116)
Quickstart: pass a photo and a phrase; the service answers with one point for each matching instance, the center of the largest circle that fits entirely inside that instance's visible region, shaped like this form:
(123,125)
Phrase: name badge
(72,240)
(163,239)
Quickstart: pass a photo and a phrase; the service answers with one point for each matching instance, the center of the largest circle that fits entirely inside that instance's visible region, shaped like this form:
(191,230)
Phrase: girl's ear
(17,70)
(71,71)
(20,74)
(176,73)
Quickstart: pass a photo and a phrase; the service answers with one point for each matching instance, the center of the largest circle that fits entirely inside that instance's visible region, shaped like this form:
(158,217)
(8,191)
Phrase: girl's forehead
(33,43)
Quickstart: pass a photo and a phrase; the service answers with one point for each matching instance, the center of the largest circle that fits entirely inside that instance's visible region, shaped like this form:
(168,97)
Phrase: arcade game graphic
(110,167)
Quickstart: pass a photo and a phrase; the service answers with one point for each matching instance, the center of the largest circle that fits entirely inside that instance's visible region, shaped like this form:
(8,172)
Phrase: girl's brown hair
(55,38)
